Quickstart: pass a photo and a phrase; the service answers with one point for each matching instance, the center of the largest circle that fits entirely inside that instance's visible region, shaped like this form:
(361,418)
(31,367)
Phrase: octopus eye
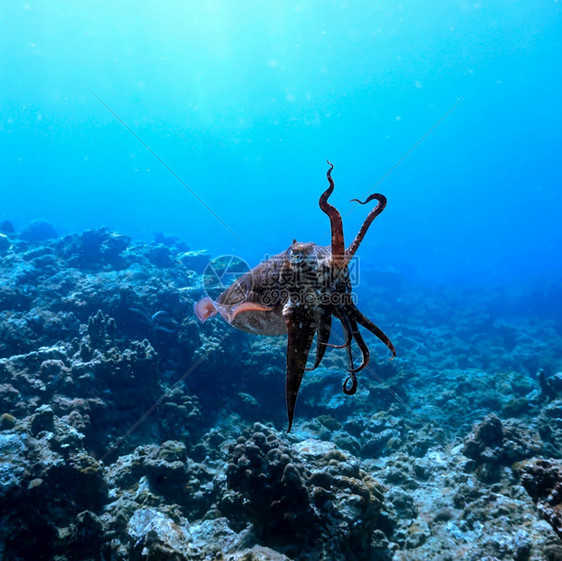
(296,257)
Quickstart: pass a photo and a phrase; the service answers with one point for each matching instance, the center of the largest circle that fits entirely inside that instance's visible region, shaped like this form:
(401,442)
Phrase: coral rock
(543,481)
(38,231)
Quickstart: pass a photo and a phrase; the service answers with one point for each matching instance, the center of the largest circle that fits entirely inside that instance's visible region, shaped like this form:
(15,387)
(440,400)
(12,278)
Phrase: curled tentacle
(348,329)
(366,355)
(356,315)
(353,388)
(351,379)
(338,245)
(352,332)
(350,251)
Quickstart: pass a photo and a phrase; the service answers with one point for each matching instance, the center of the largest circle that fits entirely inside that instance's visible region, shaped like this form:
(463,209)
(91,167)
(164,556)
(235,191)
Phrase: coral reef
(543,481)
(493,444)
(130,432)
(310,500)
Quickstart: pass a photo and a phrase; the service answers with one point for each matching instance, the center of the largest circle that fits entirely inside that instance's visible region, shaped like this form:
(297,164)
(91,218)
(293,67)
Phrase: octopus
(297,293)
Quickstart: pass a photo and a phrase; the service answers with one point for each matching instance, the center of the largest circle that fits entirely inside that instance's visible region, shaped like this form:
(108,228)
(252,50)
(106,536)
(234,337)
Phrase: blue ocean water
(452,110)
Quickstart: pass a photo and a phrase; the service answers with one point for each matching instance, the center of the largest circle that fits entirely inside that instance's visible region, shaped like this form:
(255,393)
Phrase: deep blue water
(246,100)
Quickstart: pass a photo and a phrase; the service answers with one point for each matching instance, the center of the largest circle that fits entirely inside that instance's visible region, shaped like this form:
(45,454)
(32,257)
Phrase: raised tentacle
(354,313)
(350,251)
(338,245)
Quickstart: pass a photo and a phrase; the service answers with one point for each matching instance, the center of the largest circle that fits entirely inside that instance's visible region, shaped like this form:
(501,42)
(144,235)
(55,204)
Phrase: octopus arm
(362,347)
(324,327)
(229,313)
(381,204)
(338,245)
(301,328)
(349,327)
(356,315)
(350,383)
(346,330)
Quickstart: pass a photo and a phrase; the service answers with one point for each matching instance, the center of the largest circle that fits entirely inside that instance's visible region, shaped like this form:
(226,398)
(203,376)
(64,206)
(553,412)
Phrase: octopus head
(302,256)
